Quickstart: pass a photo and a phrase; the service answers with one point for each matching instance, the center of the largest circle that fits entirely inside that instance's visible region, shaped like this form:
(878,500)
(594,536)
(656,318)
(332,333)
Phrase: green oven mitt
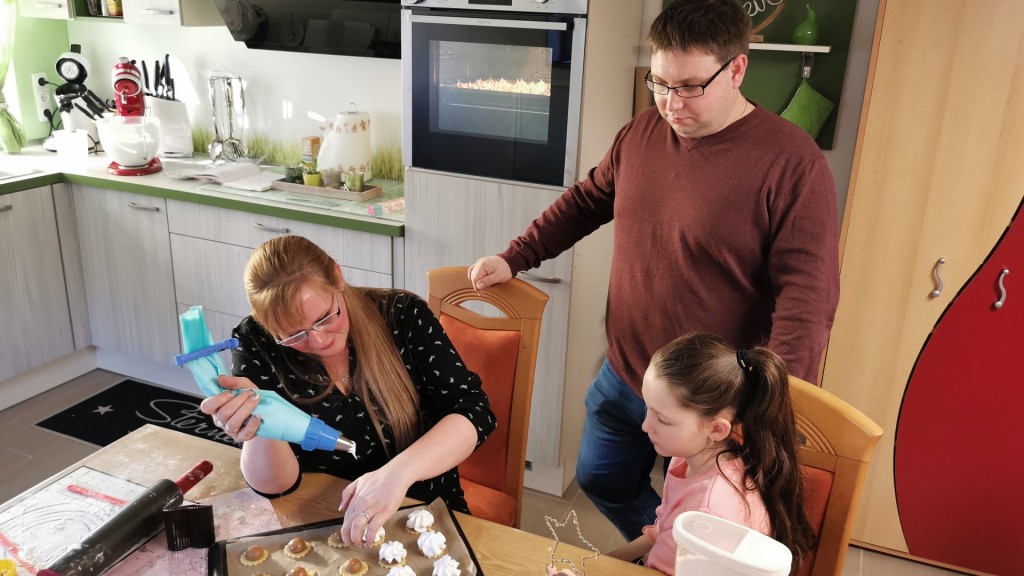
(808,109)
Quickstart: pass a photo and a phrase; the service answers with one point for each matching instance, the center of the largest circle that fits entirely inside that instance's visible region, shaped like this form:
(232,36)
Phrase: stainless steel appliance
(492,87)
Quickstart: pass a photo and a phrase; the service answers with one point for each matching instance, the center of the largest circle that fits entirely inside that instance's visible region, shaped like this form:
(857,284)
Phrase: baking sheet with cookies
(225,556)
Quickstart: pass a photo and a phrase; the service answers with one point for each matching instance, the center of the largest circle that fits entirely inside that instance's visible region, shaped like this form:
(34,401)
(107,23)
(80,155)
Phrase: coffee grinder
(130,138)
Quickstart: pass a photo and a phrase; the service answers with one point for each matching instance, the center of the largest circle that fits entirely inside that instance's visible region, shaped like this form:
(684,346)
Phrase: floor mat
(128,405)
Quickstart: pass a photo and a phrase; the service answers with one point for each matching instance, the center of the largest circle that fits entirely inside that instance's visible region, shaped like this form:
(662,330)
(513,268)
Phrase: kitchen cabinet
(962,398)
(172,12)
(34,310)
(478,217)
(126,256)
(54,9)
(210,247)
(936,181)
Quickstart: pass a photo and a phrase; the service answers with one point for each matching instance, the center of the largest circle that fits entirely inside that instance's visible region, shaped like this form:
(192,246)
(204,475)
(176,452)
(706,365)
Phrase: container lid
(731,545)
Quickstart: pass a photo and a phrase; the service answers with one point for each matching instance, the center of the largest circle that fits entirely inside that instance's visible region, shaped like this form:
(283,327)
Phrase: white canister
(346,144)
(712,546)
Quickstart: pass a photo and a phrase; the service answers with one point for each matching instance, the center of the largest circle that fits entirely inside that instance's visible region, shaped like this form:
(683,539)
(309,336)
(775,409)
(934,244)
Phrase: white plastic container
(707,545)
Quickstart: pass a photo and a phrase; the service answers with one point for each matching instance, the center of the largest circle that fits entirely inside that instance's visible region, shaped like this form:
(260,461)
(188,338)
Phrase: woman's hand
(232,409)
(552,571)
(369,502)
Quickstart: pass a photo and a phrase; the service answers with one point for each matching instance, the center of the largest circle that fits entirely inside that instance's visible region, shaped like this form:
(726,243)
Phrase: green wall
(37,44)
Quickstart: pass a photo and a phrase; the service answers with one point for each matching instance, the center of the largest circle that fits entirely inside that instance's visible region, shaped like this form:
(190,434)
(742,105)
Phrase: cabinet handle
(49,5)
(157,12)
(7,208)
(146,208)
(542,279)
(938,278)
(1002,290)
(270,228)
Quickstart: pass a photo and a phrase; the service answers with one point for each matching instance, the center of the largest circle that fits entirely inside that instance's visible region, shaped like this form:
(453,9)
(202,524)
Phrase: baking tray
(326,560)
(367,193)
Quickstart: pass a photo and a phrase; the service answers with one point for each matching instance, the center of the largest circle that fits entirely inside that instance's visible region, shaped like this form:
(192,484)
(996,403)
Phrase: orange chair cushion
(489,504)
(817,489)
(493,355)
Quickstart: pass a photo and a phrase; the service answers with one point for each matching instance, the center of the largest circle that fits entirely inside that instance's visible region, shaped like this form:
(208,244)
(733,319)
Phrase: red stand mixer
(131,139)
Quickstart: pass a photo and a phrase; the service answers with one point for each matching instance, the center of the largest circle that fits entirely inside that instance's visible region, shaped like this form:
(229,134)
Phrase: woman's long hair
(274,277)
(710,376)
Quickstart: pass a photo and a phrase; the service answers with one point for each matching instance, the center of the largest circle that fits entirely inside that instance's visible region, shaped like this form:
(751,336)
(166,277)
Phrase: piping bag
(280,419)
(133,526)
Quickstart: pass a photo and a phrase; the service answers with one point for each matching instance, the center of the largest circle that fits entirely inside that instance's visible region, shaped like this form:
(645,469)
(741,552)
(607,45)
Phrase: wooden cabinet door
(452,221)
(34,316)
(54,9)
(958,458)
(937,175)
(126,256)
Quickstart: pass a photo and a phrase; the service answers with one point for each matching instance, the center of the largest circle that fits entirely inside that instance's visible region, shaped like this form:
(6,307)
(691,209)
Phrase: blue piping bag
(280,419)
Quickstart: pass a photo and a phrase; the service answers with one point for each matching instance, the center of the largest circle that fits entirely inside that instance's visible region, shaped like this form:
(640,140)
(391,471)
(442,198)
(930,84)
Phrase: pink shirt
(712,491)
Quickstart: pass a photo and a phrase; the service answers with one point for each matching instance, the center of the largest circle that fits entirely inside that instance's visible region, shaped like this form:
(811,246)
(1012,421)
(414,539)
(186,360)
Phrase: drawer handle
(7,208)
(1002,290)
(146,208)
(49,5)
(541,279)
(938,278)
(270,228)
(157,12)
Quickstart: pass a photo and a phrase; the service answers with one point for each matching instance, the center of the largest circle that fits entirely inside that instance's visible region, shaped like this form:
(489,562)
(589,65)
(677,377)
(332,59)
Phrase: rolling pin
(133,526)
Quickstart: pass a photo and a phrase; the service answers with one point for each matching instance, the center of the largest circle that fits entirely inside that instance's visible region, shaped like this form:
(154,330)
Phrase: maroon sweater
(735,234)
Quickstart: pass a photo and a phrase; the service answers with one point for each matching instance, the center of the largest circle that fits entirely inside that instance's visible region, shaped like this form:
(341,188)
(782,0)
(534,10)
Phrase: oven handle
(470,21)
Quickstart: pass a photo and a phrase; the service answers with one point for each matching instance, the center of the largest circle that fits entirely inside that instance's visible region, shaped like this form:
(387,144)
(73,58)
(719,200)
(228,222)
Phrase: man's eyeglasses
(686,90)
(324,323)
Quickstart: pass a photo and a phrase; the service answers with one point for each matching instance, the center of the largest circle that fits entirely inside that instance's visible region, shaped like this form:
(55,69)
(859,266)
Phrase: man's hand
(488,271)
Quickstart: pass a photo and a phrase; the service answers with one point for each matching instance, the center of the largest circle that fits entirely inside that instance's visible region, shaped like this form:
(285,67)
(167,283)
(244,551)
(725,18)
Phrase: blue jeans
(616,456)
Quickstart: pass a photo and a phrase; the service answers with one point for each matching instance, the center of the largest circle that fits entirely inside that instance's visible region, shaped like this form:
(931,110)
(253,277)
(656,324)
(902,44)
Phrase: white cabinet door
(55,9)
(126,255)
(172,12)
(452,221)
(34,316)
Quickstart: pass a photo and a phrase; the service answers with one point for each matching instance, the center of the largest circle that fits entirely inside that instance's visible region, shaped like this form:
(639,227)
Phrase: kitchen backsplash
(288,95)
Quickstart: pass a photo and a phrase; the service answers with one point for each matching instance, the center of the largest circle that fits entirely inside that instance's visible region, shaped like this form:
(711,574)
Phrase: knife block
(175,127)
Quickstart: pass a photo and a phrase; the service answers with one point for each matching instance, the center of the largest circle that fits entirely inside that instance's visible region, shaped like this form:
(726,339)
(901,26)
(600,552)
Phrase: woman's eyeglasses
(324,323)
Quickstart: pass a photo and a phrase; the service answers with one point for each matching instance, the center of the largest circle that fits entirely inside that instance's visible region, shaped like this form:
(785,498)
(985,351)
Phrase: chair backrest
(838,441)
(502,350)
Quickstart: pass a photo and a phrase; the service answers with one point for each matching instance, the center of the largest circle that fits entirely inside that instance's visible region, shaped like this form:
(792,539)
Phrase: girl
(699,391)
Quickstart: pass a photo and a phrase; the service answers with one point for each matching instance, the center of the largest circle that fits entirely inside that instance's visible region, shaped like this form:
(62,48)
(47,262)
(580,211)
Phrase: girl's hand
(232,409)
(369,502)
(552,571)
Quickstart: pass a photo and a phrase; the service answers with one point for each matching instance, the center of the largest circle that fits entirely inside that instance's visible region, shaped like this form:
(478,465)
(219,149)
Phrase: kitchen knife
(145,78)
(158,79)
(167,75)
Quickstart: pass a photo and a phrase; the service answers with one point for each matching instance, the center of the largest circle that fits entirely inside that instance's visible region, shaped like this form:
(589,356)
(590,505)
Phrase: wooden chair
(503,352)
(838,443)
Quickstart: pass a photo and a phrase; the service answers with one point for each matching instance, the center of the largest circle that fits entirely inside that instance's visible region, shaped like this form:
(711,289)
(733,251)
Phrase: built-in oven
(492,87)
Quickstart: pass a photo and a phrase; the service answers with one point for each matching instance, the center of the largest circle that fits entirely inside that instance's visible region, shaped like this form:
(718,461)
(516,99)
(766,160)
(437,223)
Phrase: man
(725,222)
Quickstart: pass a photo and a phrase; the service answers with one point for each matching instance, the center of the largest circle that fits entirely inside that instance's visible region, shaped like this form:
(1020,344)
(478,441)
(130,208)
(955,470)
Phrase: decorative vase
(806,32)
(313,180)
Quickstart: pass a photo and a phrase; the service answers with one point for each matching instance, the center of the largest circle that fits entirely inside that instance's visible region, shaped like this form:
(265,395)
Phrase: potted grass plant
(311,174)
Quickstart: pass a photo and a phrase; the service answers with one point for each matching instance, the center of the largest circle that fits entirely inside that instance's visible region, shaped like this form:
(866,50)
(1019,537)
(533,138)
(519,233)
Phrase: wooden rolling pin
(130,528)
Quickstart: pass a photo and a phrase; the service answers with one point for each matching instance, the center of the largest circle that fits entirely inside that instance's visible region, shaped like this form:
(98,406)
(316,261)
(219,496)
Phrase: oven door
(492,94)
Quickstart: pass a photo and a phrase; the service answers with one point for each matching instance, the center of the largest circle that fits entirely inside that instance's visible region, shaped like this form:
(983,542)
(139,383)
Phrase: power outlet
(44,101)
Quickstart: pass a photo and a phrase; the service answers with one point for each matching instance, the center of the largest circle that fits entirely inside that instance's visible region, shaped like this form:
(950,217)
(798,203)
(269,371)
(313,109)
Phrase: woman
(374,364)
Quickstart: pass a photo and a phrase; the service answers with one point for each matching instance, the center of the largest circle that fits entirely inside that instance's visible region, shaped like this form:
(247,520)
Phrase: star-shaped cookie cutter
(554,534)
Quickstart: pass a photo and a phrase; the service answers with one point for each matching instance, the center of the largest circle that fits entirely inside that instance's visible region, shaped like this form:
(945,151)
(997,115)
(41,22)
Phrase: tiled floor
(29,455)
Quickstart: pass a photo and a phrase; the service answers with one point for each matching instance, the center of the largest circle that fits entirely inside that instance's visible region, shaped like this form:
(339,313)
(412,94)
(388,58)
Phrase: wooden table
(151,453)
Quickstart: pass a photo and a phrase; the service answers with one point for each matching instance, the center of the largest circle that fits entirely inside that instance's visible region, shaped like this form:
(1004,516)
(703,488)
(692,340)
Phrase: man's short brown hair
(717,27)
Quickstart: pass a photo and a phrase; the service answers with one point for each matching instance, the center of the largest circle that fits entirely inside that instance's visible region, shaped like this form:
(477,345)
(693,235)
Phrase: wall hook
(808,63)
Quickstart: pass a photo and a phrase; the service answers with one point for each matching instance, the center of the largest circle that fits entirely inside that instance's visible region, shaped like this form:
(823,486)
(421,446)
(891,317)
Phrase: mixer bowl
(131,141)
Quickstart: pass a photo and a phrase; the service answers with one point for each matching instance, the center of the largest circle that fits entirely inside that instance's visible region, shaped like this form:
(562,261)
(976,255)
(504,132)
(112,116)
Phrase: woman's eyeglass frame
(322,324)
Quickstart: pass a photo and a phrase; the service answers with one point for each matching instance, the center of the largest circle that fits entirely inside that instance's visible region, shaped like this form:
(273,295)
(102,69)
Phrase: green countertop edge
(339,221)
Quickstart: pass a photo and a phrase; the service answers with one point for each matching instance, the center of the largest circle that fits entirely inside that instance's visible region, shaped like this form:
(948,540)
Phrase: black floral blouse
(444,384)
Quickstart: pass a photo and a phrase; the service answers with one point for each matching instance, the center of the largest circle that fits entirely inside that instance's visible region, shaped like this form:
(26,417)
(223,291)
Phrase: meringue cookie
(419,521)
(432,544)
(446,566)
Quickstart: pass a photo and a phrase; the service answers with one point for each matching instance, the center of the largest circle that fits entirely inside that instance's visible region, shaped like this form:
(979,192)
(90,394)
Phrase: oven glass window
(496,91)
